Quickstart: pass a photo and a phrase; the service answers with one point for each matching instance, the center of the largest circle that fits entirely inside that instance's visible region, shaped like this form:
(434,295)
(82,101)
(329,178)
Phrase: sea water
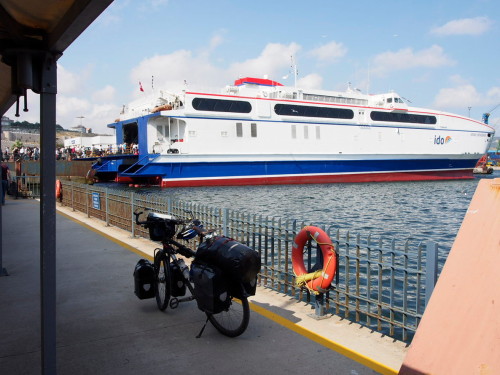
(419,210)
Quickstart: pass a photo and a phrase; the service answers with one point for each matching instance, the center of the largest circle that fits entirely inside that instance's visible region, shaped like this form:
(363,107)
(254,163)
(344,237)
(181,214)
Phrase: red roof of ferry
(256,81)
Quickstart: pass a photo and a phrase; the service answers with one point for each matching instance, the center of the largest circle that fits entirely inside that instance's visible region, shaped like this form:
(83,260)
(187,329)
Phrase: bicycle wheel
(233,321)
(163,280)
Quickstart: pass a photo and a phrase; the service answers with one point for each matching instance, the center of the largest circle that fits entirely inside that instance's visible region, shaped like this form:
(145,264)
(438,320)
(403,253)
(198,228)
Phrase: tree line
(32,126)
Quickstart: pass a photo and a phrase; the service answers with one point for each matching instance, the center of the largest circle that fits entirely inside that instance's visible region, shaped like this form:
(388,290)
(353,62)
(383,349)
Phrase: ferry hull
(322,179)
(309,172)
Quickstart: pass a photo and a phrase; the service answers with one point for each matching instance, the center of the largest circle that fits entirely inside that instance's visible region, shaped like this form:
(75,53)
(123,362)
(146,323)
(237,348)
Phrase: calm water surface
(421,210)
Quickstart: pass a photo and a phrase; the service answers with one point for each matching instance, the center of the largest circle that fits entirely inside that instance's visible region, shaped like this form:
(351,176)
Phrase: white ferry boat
(258,131)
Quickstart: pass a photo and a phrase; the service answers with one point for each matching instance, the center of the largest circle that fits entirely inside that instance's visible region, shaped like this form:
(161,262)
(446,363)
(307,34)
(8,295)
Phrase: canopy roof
(44,25)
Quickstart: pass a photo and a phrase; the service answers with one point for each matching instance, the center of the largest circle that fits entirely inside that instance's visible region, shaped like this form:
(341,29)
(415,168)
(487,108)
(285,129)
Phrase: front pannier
(144,278)
(159,226)
(210,288)
(239,262)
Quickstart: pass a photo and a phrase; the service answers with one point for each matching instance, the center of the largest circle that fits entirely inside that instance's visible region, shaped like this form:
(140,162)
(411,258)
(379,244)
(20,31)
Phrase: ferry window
(221,105)
(294,131)
(239,129)
(312,111)
(253,130)
(306,132)
(403,117)
(318,132)
(389,100)
(159,128)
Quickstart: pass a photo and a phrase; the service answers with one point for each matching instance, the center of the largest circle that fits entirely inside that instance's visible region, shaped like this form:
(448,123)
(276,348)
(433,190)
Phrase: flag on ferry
(140,87)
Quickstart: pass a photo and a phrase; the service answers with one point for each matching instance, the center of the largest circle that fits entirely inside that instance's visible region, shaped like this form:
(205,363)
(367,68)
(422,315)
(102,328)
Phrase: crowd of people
(21,153)
(69,153)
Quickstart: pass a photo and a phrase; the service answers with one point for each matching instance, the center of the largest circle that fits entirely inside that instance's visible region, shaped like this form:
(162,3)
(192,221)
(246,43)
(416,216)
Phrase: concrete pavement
(102,328)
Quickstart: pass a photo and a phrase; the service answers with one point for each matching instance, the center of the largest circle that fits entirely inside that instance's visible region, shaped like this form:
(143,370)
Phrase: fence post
(319,306)
(225,220)
(431,268)
(132,212)
(87,200)
(106,206)
(72,195)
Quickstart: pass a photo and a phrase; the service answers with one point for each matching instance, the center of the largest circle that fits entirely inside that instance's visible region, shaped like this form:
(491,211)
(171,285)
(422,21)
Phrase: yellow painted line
(355,356)
(346,352)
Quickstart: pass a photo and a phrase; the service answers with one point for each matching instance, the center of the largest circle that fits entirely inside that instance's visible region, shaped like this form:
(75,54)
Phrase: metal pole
(48,212)
(132,208)
(3,271)
(225,222)
(431,269)
(107,207)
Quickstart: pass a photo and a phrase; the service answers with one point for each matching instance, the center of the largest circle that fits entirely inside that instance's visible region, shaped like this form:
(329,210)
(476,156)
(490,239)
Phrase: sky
(439,54)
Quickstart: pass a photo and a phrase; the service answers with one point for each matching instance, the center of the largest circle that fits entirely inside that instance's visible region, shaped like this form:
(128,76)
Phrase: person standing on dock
(5,180)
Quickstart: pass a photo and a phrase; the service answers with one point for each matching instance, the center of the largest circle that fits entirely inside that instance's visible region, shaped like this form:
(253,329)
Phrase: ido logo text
(440,140)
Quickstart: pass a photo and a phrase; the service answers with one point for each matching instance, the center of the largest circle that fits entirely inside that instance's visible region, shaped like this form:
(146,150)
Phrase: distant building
(100,141)
(6,122)
(80,128)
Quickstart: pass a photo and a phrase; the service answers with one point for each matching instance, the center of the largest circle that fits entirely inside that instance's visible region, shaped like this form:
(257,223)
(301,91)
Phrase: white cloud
(464,26)
(104,95)
(493,95)
(71,107)
(68,82)
(170,71)
(273,61)
(406,58)
(311,81)
(462,96)
(329,53)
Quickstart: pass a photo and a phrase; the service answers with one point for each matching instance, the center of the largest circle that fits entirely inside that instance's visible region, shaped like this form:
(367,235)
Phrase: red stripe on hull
(124,180)
(343,178)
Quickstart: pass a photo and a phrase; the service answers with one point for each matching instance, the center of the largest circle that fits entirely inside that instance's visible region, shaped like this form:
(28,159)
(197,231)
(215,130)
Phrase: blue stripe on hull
(280,168)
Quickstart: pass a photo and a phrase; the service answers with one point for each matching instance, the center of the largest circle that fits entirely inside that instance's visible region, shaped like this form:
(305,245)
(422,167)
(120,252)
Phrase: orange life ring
(58,189)
(318,281)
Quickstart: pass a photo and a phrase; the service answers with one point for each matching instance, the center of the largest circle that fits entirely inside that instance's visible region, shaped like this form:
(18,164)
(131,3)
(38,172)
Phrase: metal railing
(378,284)
(24,187)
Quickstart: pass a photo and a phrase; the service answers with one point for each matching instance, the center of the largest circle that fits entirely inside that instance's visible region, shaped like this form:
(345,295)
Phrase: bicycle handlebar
(183,250)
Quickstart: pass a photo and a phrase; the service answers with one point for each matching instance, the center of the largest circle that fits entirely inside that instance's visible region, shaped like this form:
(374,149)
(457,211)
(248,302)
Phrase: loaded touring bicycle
(221,277)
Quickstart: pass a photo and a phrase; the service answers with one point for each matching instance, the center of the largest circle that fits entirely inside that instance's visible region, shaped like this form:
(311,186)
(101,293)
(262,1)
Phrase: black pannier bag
(210,288)
(144,278)
(239,262)
(177,281)
(158,228)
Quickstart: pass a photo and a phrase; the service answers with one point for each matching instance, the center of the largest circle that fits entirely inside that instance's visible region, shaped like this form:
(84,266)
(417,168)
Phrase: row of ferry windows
(253,131)
(237,106)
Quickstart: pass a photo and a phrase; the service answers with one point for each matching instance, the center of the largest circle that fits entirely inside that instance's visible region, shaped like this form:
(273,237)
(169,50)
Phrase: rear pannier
(210,288)
(238,262)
